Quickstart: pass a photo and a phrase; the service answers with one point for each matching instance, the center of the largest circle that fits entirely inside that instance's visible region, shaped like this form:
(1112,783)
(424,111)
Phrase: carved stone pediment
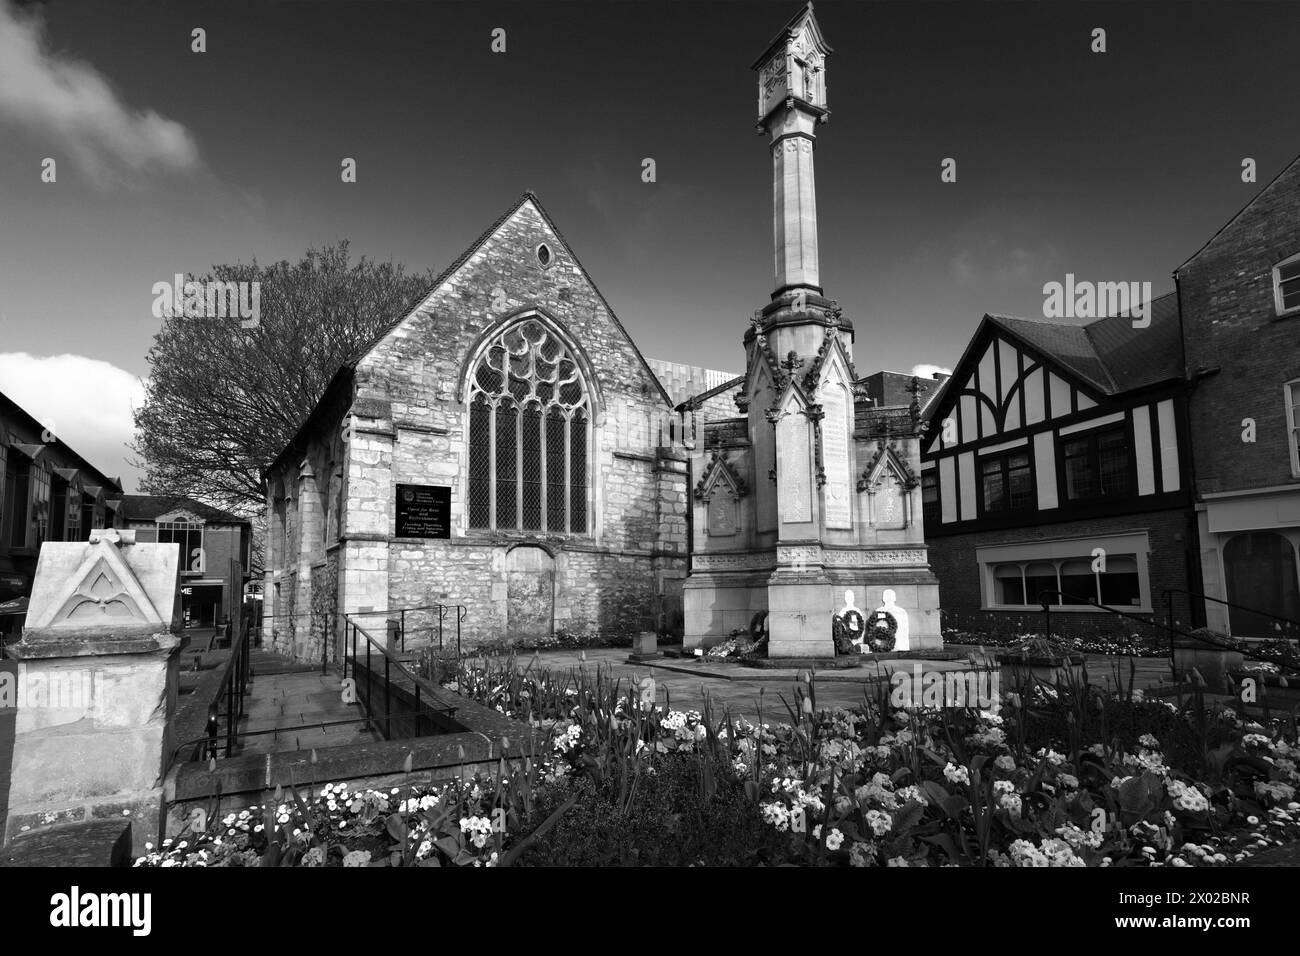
(719,473)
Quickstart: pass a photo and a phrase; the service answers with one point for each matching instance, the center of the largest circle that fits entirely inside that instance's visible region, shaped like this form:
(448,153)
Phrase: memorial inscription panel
(835,457)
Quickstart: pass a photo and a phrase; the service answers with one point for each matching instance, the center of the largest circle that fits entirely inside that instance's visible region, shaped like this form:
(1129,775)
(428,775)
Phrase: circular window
(544,254)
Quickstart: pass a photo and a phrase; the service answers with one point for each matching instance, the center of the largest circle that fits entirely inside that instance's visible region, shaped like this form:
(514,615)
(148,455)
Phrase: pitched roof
(1109,353)
(345,370)
(448,272)
(9,407)
(1067,344)
(152,507)
(1140,356)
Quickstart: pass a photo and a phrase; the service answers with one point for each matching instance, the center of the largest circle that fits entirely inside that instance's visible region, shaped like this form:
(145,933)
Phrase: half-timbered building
(1056,464)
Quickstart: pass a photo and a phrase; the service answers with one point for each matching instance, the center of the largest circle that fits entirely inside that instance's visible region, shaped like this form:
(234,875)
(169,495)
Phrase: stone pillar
(96,683)
(311,551)
(670,545)
(368,514)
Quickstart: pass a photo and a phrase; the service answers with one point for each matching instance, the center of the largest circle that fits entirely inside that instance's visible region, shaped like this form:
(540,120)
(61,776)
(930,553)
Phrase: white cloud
(927,371)
(83,401)
(71,104)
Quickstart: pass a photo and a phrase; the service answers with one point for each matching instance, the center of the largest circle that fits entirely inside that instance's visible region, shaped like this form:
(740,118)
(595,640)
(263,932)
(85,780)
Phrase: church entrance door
(530,594)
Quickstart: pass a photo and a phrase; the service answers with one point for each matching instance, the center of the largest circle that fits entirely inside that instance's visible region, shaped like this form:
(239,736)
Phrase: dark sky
(1113,167)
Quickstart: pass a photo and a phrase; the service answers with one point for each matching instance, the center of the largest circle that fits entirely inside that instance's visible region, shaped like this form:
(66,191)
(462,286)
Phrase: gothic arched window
(529,413)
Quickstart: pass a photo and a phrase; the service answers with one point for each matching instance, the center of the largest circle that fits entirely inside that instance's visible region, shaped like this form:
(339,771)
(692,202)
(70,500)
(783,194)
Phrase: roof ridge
(444,275)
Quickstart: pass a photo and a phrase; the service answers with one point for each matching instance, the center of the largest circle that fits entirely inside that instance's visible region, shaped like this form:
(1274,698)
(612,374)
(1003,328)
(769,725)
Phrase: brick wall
(1229,321)
(953,560)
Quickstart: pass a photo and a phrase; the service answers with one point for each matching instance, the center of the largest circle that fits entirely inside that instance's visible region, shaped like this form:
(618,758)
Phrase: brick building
(47,493)
(1240,303)
(1052,446)
(216,551)
(1198,415)
(504,446)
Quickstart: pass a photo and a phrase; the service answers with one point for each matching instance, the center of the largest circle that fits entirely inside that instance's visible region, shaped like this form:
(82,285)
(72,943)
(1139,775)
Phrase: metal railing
(355,633)
(443,610)
(233,686)
(1290,623)
(1174,632)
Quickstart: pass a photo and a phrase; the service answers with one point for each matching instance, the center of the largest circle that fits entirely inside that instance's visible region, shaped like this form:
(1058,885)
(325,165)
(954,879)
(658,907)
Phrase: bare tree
(223,399)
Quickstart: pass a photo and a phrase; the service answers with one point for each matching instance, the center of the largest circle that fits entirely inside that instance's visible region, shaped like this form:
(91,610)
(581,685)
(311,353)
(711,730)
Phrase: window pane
(1112,462)
(1290,271)
(1078,582)
(1009,584)
(41,504)
(929,489)
(1039,578)
(507,472)
(578,474)
(994,491)
(555,429)
(1291,294)
(1020,492)
(480,466)
(1079,479)
(532,468)
(16,491)
(1120,588)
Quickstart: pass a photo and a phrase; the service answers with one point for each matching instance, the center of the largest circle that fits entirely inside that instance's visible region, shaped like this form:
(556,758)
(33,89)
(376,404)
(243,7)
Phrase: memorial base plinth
(798,618)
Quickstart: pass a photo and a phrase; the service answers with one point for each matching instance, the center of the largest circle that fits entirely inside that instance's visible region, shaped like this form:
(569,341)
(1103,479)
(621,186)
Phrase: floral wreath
(847,628)
(881,631)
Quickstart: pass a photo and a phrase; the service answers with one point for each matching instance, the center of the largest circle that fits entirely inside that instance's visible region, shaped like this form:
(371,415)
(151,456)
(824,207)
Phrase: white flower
(834,839)
(879,821)
(956,774)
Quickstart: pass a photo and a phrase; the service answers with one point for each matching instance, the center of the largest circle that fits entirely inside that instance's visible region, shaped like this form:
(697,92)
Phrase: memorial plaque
(889,505)
(793,469)
(722,515)
(835,457)
(423,511)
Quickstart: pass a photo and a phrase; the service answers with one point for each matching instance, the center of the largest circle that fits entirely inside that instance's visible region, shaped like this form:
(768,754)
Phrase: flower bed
(1131,645)
(1057,775)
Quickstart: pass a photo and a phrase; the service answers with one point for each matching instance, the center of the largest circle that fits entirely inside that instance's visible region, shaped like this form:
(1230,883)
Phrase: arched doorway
(530,594)
(1260,572)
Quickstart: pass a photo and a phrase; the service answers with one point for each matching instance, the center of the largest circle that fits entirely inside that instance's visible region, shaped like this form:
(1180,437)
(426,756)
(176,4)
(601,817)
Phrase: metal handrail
(1044,601)
(233,686)
(443,610)
(389,662)
(198,742)
(1169,607)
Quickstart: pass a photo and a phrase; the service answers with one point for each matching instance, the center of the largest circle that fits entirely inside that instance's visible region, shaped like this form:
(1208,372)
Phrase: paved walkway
(286,702)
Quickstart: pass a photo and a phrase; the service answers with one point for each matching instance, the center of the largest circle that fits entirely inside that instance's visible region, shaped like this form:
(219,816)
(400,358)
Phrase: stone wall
(408,425)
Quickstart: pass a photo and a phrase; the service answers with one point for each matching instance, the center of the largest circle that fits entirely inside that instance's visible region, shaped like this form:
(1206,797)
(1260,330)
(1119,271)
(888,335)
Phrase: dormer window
(1286,286)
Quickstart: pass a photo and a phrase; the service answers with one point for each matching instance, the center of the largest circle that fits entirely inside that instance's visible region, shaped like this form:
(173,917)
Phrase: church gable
(1002,385)
(521,266)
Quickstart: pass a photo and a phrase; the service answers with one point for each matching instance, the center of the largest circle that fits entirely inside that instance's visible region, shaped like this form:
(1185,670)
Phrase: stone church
(506,447)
